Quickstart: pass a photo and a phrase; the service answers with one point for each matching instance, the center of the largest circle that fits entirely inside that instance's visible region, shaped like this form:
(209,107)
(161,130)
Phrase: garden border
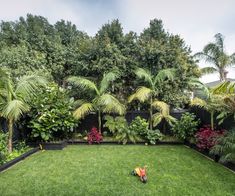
(70,142)
(214,158)
(17,159)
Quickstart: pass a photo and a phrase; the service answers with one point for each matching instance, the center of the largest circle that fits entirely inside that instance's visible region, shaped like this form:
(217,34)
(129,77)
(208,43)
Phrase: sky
(196,21)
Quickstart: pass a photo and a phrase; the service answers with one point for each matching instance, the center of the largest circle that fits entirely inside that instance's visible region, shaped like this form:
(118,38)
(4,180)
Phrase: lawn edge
(9,164)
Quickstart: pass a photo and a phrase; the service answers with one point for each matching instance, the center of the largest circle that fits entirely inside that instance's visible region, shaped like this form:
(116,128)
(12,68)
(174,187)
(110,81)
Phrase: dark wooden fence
(91,120)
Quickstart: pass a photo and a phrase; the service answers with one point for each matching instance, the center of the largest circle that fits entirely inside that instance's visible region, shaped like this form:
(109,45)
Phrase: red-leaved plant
(206,137)
(94,136)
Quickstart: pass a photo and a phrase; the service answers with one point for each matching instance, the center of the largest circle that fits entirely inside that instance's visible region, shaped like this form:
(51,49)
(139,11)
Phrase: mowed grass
(105,170)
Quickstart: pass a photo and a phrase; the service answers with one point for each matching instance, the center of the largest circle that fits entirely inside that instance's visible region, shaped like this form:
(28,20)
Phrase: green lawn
(105,170)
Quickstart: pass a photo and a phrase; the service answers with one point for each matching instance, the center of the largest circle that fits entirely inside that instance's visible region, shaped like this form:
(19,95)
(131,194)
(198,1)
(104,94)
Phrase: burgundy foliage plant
(206,137)
(94,136)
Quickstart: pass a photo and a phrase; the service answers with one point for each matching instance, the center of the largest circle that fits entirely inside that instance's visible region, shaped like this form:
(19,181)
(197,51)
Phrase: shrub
(51,115)
(206,137)
(3,147)
(115,124)
(153,135)
(225,147)
(94,136)
(187,125)
(139,125)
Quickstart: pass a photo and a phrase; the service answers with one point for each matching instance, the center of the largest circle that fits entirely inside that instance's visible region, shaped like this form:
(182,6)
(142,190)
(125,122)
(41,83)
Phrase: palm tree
(15,96)
(150,91)
(163,114)
(102,101)
(215,53)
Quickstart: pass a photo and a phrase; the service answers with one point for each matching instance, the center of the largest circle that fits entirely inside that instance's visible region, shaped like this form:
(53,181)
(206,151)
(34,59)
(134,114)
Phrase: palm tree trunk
(10,132)
(151,114)
(212,120)
(99,120)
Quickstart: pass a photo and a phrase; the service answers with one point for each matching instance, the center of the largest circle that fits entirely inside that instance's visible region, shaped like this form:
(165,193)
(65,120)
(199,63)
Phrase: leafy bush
(51,115)
(115,124)
(206,137)
(120,129)
(139,125)
(185,127)
(225,147)
(153,135)
(94,136)
(19,149)
(3,147)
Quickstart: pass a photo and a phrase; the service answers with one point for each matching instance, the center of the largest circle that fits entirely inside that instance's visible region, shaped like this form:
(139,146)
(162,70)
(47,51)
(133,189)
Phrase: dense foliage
(18,149)
(206,137)
(185,127)
(225,147)
(51,115)
(63,50)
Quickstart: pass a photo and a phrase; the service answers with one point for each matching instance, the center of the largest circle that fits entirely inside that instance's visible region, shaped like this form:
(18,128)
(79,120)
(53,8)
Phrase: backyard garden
(79,113)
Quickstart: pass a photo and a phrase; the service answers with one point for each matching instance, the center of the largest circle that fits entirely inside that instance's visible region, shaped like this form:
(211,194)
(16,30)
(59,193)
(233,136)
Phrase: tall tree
(102,101)
(215,54)
(15,97)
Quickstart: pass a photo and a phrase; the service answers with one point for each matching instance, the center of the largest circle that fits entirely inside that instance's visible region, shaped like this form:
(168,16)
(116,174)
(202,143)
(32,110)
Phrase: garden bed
(17,159)
(213,157)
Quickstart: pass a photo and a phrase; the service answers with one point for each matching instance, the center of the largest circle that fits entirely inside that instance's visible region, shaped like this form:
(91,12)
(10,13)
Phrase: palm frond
(110,104)
(157,118)
(145,75)
(198,102)
(83,110)
(29,84)
(162,107)
(83,83)
(208,70)
(219,40)
(142,94)
(226,87)
(14,109)
(205,57)
(107,79)
(165,74)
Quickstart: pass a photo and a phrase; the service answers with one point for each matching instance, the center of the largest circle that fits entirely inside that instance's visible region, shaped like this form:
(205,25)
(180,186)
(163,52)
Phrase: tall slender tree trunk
(99,119)
(10,132)
(212,120)
(151,114)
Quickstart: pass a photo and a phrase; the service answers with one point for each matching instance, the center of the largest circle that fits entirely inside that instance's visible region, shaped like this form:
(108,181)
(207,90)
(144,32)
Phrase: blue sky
(197,21)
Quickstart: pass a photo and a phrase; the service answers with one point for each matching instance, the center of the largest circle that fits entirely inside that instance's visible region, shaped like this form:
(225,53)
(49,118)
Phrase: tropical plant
(215,53)
(206,137)
(125,135)
(115,123)
(212,104)
(150,92)
(139,125)
(153,135)
(15,95)
(225,147)
(185,127)
(102,100)
(227,91)
(163,114)
(94,136)
(3,147)
(51,115)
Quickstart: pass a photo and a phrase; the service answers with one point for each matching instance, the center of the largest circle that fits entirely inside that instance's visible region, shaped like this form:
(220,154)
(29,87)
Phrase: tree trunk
(10,132)
(151,114)
(99,120)
(212,120)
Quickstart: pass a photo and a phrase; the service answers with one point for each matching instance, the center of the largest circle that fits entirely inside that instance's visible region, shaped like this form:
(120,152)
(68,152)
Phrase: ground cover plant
(105,170)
